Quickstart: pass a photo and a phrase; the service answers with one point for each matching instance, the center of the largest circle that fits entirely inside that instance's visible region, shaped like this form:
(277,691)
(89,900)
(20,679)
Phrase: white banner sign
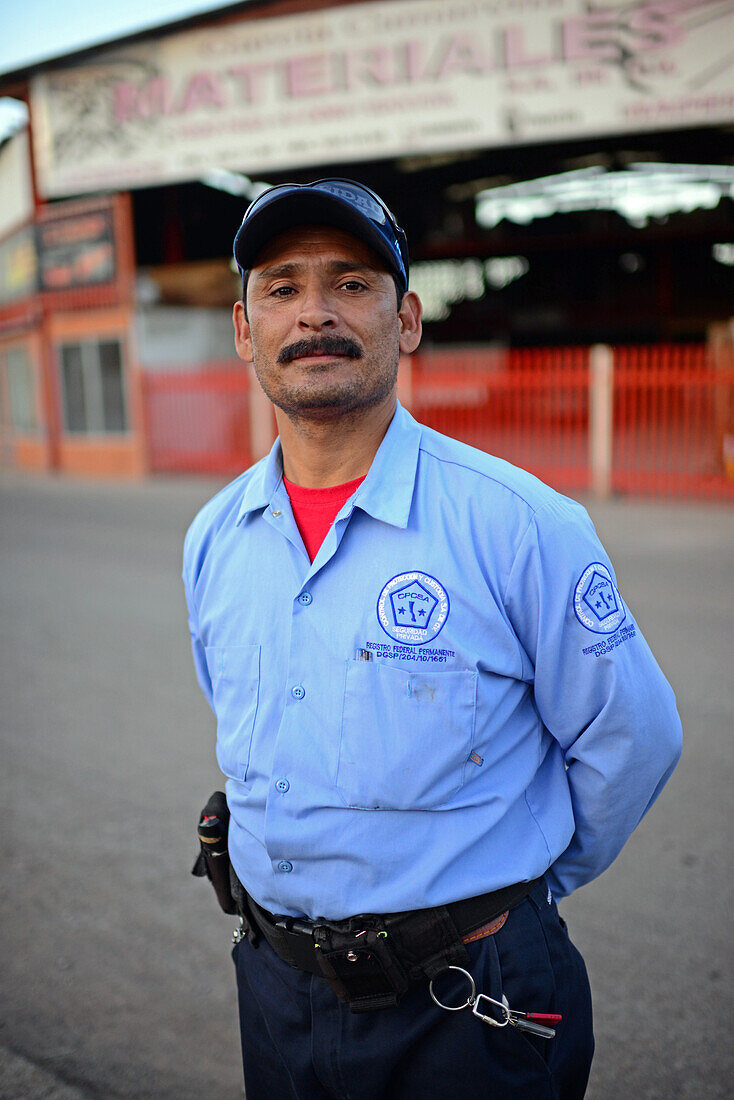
(377,80)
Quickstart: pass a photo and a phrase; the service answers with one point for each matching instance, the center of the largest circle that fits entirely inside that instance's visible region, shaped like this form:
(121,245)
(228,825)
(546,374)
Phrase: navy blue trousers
(299,1041)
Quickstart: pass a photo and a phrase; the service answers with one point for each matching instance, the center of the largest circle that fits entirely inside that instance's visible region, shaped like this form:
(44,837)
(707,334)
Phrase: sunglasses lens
(268,196)
(364,200)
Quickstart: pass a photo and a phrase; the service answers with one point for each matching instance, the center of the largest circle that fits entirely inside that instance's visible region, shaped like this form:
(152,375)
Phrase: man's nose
(317,311)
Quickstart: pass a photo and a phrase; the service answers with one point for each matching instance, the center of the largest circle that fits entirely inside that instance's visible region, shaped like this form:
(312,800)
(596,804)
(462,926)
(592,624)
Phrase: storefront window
(21,403)
(113,398)
(92,387)
(75,411)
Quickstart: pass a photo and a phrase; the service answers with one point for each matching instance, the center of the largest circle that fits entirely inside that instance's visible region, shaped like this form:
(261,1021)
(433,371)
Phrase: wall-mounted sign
(76,246)
(18,265)
(380,79)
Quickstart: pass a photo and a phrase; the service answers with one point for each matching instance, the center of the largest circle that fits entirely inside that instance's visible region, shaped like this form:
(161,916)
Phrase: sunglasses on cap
(342,203)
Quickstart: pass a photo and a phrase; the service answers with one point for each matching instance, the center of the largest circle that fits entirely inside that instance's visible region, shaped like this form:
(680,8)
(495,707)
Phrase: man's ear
(409,322)
(242,337)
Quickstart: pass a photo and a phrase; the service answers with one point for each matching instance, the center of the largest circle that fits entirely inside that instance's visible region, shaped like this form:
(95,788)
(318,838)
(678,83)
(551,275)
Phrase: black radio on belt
(213,859)
(361,967)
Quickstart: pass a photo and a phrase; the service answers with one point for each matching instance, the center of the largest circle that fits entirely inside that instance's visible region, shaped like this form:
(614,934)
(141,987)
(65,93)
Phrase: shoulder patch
(597,603)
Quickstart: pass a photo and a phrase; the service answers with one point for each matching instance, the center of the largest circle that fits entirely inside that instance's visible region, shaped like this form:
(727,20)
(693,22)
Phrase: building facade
(565,178)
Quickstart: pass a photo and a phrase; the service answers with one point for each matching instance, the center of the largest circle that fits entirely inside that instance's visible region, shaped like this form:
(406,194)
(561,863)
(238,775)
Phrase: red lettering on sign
(517,54)
(201,90)
(308,75)
(465,55)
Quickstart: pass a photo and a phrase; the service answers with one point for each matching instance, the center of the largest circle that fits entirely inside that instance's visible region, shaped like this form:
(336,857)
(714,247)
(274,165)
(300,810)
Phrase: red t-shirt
(314,510)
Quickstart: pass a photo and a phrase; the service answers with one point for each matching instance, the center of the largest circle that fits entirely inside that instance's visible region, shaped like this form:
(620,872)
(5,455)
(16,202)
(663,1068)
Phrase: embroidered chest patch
(412,608)
(596,602)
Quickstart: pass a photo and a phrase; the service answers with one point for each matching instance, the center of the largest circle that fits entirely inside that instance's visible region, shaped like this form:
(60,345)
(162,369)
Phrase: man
(432,701)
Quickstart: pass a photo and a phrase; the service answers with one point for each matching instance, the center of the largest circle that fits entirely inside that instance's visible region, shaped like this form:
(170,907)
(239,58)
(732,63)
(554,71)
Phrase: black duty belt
(370,960)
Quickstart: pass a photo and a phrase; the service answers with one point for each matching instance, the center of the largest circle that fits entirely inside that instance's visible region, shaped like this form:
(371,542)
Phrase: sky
(36,30)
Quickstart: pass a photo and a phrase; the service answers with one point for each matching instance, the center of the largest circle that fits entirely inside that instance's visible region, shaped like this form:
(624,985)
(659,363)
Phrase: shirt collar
(387,491)
(266,477)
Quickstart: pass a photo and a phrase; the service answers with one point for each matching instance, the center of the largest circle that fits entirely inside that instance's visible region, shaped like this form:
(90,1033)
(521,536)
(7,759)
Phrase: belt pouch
(213,860)
(360,967)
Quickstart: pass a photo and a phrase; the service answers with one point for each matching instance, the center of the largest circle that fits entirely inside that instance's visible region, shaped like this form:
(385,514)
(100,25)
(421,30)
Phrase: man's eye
(282,291)
(353,285)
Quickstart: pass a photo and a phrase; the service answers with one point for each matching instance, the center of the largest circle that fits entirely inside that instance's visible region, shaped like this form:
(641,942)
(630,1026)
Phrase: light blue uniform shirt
(453,697)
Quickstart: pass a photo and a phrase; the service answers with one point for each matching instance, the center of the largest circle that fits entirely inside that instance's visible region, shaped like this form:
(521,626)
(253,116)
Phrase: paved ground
(116,979)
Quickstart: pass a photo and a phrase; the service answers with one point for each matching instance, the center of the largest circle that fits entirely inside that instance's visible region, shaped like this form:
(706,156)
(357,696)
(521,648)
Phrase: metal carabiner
(504,1009)
(473,1001)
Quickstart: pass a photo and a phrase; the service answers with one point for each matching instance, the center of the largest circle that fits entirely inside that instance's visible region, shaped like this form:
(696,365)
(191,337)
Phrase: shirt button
(305,598)
(276,512)
(282,785)
(285,865)
(298,692)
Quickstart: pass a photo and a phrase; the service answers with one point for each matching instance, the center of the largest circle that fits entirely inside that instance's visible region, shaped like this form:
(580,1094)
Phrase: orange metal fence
(671,414)
(198,422)
(529,406)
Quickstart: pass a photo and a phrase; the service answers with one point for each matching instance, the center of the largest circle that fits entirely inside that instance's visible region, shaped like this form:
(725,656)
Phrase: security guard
(436,713)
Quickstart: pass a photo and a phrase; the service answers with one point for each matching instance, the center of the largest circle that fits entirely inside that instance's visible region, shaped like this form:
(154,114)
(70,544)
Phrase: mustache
(329,345)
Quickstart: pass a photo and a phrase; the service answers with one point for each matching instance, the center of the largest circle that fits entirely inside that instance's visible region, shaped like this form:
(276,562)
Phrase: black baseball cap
(343,203)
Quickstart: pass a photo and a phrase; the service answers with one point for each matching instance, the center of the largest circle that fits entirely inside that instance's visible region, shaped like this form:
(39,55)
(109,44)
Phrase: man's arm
(598,689)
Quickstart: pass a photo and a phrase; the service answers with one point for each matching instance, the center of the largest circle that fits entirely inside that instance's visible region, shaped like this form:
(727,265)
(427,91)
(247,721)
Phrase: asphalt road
(116,979)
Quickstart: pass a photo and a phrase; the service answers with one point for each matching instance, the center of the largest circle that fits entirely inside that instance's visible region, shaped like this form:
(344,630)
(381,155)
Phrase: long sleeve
(197,649)
(598,689)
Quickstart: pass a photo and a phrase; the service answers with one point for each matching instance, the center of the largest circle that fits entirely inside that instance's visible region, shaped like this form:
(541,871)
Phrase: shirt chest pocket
(235,674)
(405,736)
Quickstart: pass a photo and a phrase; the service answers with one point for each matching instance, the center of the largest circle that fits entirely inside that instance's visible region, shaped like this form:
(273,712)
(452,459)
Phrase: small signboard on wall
(18,266)
(76,246)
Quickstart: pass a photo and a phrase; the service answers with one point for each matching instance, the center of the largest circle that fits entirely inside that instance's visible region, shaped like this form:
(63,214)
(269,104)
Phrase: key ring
(472,992)
(473,1001)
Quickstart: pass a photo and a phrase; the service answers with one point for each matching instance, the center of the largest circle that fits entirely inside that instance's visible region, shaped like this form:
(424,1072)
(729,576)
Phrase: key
(529,1021)
(519,1020)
